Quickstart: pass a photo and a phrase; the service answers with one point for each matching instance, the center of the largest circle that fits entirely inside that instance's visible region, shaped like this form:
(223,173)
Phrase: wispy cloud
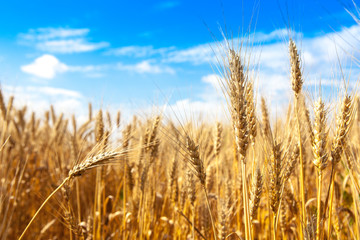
(212,79)
(167,5)
(60,40)
(41,34)
(70,46)
(139,51)
(51,91)
(196,55)
(145,67)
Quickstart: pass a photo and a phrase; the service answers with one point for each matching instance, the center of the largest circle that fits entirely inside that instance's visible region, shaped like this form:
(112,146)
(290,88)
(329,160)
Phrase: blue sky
(131,55)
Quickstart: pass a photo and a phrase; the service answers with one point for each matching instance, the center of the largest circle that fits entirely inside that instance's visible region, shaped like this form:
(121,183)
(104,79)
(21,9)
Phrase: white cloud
(186,110)
(69,46)
(92,69)
(196,55)
(56,92)
(46,66)
(213,79)
(60,40)
(210,104)
(145,67)
(51,33)
(139,51)
(276,35)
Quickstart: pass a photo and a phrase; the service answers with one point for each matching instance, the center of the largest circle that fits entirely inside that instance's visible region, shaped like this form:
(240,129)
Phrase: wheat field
(251,177)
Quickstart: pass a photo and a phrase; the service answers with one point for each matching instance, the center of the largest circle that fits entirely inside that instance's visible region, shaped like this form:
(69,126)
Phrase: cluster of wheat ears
(157,179)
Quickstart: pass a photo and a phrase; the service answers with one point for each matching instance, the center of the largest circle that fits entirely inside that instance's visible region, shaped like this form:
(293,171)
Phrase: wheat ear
(92,162)
(197,165)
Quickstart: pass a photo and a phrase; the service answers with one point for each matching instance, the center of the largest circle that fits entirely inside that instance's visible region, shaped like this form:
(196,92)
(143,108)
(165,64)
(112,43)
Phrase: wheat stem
(78,199)
(302,191)
(274,222)
(208,206)
(217,175)
(42,205)
(318,220)
(193,221)
(330,205)
(245,201)
(124,199)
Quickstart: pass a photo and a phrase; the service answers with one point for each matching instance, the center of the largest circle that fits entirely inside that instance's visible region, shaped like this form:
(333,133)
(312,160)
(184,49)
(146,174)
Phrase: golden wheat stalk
(320,154)
(296,83)
(236,86)
(343,123)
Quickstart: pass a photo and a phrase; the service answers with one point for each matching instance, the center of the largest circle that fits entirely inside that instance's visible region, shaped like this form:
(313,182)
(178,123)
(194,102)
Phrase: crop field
(253,175)
(158,178)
